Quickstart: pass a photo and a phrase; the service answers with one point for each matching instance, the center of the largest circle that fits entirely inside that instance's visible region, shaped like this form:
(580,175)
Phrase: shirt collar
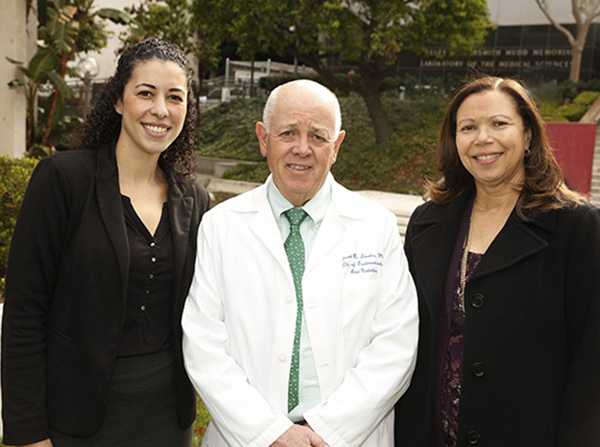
(315,207)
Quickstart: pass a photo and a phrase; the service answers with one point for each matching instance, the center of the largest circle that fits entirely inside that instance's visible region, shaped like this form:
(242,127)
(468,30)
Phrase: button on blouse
(149,305)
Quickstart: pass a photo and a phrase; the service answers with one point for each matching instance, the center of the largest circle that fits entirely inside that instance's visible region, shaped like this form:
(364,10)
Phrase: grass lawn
(202,420)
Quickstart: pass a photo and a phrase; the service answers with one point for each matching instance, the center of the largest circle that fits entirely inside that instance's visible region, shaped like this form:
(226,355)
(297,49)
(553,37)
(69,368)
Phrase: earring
(527,152)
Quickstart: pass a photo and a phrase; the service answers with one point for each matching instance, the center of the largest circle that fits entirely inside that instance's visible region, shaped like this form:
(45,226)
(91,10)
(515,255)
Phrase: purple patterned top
(453,361)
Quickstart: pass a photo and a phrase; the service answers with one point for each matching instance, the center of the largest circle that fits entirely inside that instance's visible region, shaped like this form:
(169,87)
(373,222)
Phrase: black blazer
(531,367)
(66,287)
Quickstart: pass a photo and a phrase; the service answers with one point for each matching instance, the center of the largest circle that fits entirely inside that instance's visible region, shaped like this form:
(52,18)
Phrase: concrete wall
(527,12)
(17,41)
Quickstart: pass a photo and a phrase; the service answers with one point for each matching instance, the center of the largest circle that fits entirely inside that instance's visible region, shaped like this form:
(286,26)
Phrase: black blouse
(149,306)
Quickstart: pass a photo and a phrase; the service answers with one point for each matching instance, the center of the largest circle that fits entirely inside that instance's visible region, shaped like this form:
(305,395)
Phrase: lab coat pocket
(358,313)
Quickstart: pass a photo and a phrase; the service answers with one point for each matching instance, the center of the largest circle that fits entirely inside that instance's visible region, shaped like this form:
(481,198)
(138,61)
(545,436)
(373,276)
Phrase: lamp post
(292,30)
(88,69)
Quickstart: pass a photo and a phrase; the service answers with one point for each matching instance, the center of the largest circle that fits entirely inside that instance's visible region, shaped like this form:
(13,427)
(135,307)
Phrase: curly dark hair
(543,188)
(103,124)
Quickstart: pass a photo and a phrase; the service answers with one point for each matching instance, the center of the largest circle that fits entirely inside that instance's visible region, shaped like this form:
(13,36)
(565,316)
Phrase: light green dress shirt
(309,393)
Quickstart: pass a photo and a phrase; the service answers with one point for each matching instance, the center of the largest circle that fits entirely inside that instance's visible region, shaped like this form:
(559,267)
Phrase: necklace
(463,264)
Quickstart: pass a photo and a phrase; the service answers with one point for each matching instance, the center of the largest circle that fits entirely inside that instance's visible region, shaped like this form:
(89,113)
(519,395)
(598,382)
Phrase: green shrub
(552,111)
(248,172)
(14,178)
(586,98)
(229,130)
(582,102)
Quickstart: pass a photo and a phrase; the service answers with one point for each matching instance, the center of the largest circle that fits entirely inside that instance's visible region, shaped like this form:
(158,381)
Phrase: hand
(299,436)
(44,443)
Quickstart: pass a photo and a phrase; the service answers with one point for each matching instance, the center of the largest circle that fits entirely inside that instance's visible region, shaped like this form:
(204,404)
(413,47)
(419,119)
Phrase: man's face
(301,144)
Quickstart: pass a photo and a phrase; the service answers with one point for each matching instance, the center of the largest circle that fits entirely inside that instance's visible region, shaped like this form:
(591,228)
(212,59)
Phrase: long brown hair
(543,188)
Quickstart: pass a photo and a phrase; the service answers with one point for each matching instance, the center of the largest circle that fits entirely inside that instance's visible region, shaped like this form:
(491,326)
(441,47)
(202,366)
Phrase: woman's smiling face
(491,139)
(153,107)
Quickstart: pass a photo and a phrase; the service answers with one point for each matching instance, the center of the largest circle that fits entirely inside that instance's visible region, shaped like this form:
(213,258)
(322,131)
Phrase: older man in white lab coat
(311,357)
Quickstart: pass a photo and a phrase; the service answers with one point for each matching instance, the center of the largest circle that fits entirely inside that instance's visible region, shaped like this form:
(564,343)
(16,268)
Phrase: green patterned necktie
(294,247)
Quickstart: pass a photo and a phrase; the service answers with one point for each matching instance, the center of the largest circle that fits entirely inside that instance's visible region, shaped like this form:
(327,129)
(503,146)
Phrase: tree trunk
(252,77)
(32,91)
(30,124)
(200,78)
(62,69)
(381,125)
(370,82)
(577,48)
(46,136)
(575,72)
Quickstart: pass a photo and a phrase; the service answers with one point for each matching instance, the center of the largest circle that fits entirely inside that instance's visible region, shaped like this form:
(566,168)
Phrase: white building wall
(107,58)
(527,12)
(17,41)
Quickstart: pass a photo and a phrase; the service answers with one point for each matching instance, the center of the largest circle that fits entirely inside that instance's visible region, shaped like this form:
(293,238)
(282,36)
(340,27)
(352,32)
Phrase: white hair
(269,110)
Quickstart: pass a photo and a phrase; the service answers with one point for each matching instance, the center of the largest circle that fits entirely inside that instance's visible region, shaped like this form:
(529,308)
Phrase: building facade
(524,45)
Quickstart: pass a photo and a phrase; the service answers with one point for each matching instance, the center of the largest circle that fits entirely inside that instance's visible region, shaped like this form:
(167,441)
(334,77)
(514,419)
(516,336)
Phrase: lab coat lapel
(329,235)
(332,227)
(264,226)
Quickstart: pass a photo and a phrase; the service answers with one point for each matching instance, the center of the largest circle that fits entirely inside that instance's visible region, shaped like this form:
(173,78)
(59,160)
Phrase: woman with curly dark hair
(100,264)
(505,258)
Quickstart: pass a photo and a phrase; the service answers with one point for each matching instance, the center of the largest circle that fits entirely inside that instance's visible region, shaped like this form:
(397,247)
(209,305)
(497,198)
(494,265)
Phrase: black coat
(66,289)
(531,366)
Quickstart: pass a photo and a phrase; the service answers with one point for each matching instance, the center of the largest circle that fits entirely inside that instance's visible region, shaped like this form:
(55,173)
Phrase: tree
(247,23)
(168,21)
(367,34)
(68,28)
(210,27)
(197,27)
(39,71)
(584,12)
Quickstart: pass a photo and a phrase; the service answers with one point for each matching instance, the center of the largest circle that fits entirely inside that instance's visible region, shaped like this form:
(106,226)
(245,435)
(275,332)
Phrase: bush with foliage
(227,131)
(552,111)
(257,173)
(582,102)
(570,90)
(14,178)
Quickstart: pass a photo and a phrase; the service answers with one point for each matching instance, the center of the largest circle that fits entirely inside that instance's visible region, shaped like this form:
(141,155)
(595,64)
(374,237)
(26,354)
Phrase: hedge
(14,178)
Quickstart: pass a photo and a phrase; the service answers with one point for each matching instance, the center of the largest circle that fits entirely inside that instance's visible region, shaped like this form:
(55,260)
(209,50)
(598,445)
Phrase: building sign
(503,59)
(530,51)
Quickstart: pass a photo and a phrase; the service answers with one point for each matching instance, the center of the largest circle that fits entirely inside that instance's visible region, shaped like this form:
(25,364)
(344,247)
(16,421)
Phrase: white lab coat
(360,309)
